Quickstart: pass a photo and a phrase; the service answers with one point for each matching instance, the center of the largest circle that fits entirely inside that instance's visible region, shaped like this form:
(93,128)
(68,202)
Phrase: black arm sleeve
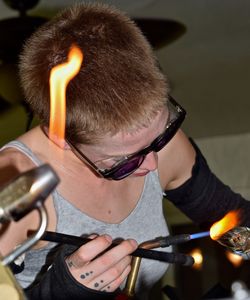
(58,283)
(204,198)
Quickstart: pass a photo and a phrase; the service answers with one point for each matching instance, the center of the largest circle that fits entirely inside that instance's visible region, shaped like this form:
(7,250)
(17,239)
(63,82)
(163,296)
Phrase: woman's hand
(103,272)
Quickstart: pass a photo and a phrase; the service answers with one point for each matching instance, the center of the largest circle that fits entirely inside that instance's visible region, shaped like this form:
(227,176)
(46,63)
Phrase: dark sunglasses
(132,162)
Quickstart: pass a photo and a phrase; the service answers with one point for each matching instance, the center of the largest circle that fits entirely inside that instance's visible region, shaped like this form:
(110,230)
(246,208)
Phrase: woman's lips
(141,173)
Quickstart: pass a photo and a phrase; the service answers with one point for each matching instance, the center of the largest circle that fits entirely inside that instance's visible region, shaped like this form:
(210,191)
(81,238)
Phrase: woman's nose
(150,162)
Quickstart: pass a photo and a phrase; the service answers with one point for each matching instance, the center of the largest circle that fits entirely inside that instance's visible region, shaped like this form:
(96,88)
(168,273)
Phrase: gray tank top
(145,222)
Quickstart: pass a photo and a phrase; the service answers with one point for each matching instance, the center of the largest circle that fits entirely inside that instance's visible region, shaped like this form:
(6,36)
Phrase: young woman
(123,149)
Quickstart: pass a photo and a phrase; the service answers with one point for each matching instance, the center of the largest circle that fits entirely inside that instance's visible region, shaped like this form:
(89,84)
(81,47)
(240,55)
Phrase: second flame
(60,76)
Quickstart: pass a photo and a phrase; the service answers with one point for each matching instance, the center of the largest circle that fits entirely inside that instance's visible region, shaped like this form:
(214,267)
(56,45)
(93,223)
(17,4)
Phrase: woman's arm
(202,196)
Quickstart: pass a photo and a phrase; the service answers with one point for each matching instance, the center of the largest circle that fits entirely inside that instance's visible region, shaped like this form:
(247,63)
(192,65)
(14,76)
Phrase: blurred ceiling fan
(14,31)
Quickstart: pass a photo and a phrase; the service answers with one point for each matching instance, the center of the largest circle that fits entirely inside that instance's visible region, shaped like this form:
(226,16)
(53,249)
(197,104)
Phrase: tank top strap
(24,149)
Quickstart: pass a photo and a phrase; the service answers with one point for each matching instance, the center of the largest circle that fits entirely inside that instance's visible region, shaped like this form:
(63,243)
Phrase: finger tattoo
(83,276)
(104,290)
(97,284)
(69,263)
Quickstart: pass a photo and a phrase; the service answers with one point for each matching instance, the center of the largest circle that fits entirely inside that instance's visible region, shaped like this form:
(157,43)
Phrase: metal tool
(25,193)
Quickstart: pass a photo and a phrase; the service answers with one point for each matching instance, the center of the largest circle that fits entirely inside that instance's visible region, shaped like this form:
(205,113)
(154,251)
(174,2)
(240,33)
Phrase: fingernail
(108,238)
(93,236)
(133,243)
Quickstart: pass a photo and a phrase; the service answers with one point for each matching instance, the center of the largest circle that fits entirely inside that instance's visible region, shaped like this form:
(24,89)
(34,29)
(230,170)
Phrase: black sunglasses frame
(168,134)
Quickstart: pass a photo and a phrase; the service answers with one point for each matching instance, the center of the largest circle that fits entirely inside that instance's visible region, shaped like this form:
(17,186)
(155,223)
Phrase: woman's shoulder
(14,160)
(176,161)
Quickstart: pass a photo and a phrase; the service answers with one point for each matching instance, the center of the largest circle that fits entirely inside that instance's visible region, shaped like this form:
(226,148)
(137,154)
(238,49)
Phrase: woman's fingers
(114,285)
(112,275)
(88,251)
(101,272)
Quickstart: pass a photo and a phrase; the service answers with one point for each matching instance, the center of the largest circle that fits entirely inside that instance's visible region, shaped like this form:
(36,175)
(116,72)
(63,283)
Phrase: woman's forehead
(132,141)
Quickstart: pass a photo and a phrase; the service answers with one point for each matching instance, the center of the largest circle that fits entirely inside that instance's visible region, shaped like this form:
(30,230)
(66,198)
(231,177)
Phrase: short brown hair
(119,86)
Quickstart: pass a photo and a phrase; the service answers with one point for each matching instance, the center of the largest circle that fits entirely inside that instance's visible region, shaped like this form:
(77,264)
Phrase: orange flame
(60,76)
(229,221)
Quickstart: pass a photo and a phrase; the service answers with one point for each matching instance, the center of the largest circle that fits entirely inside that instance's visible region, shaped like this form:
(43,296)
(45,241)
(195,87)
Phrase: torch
(224,232)
(219,231)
